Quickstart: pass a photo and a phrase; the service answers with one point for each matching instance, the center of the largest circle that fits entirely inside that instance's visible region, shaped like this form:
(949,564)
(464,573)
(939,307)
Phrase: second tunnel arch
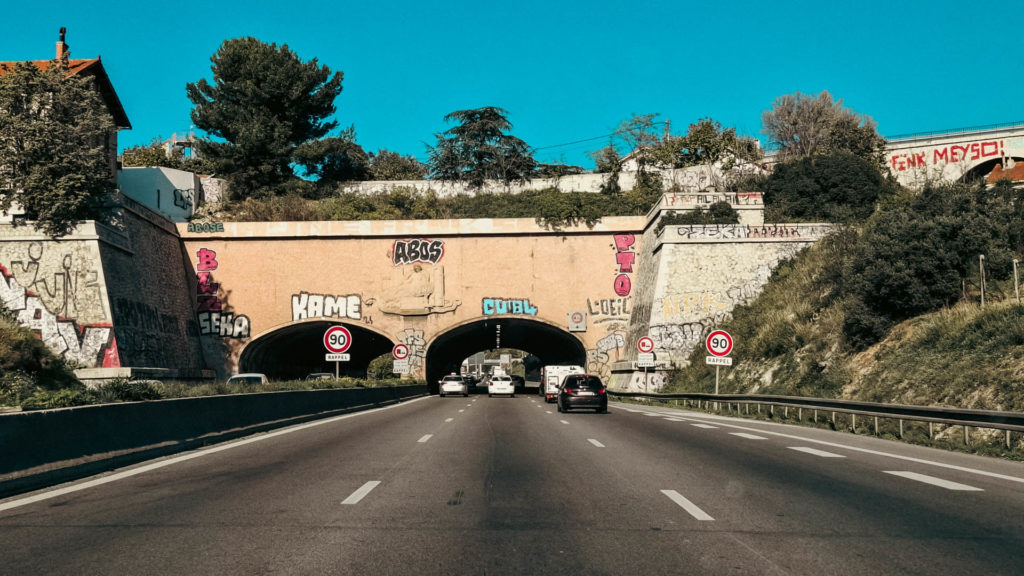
(550,343)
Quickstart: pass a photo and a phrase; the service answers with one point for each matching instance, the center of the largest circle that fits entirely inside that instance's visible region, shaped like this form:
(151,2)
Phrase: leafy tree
(155,154)
(54,147)
(707,143)
(264,103)
(337,159)
(803,125)
(608,161)
(557,170)
(835,187)
(641,138)
(717,213)
(386,165)
(479,149)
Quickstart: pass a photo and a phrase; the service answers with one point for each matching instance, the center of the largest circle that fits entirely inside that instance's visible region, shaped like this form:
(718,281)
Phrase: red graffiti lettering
(995,148)
(207,260)
(622,285)
(625,260)
(623,242)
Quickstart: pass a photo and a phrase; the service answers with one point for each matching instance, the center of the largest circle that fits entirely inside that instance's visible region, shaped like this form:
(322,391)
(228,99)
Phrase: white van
(551,377)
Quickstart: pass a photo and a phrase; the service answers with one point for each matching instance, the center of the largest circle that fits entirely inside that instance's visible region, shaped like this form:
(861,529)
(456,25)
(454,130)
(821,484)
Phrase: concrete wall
(690,280)
(47,446)
(58,289)
(172,193)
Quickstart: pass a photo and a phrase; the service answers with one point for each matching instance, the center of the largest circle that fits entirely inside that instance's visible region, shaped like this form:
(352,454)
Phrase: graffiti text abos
(417,250)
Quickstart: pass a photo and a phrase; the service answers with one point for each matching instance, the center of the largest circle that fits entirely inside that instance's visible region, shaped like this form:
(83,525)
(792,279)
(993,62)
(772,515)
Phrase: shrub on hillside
(838,187)
(126,390)
(717,213)
(65,398)
(22,352)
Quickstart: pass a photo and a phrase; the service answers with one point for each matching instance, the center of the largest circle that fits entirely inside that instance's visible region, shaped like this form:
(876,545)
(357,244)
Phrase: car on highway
(551,379)
(582,391)
(320,376)
(248,378)
(453,384)
(501,385)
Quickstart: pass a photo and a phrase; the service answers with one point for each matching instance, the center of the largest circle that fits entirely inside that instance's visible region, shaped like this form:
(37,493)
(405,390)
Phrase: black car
(582,391)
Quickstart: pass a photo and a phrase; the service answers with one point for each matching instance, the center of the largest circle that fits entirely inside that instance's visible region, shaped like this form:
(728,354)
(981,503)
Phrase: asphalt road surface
(484,485)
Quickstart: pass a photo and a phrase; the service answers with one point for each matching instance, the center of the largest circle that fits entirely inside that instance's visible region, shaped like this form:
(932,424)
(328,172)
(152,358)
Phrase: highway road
(484,485)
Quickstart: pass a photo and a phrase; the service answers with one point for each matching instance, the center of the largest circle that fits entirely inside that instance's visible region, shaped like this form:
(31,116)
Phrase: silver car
(453,384)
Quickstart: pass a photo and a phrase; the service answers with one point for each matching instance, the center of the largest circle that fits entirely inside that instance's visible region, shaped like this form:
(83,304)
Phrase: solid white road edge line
(206,452)
(687,505)
(934,481)
(816,452)
(361,493)
(595,442)
(705,426)
(425,438)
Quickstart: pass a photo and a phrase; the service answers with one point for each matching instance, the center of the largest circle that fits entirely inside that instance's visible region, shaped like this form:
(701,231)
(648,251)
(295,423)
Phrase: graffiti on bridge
(417,250)
(213,319)
(948,155)
(624,258)
(306,305)
(492,306)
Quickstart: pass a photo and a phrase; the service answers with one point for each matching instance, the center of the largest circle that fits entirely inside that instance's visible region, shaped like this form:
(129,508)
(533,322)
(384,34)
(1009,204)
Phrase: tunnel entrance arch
(295,350)
(550,343)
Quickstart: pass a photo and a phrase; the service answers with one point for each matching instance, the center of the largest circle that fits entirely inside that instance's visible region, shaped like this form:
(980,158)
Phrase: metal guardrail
(953,131)
(993,419)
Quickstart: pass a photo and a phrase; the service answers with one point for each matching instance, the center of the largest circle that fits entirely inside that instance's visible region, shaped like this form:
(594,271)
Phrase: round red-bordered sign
(719,343)
(576,318)
(400,351)
(337,339)
(645,344)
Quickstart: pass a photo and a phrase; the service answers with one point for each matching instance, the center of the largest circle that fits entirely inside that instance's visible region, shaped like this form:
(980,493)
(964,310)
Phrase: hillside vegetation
(888,310)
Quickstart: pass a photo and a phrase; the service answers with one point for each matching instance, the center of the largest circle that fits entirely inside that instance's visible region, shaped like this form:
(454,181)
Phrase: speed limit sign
(337,339)
(719,343)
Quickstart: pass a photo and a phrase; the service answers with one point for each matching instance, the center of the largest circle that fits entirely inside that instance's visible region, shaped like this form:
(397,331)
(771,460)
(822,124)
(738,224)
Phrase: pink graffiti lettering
(207,260)
(623,286)
(625,258)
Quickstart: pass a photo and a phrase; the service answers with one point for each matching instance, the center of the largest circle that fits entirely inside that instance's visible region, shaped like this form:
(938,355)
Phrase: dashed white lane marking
(548,412)
(687,505)
(564,421)
(361,493)
(595,442)
(748,436)
(1007,477)
(934,481)
(161,464)
(707,426)
(816,452)
(655,414)
(675,419)
(425,438)
(469,405)
(461,411)
(449,419)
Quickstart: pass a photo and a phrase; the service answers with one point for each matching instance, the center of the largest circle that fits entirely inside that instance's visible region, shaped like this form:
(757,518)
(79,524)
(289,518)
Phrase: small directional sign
(401,366)
(337,357)
(645,360)
(718,360)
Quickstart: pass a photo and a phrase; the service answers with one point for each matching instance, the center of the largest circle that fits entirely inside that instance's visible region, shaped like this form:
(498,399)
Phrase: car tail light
(601,391)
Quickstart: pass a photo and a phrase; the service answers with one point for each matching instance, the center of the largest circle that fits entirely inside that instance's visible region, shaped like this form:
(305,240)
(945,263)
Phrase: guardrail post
(785,412)
(815,415)
(931,430)
(967,439)
(1007,439)
(833,419)
(800,414)
(854,419)
(876,425)
(759,408)
(901,429)
(771,410)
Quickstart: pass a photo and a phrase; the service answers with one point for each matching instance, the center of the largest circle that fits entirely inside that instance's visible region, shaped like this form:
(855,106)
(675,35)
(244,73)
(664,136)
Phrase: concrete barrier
(51,446)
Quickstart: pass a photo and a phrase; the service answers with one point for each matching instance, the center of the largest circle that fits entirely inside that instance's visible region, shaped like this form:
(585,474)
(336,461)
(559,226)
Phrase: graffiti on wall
(606,309)
(90,346)
(691,304)
(213,319)
(417,250)
(63,278)
(413,339)
(646,382)
(416,291)
(492,306)
(798,232)
(689,199)
(951,154)
(609,349)
(679,340)
(306,305)
(624,258)
(143,332)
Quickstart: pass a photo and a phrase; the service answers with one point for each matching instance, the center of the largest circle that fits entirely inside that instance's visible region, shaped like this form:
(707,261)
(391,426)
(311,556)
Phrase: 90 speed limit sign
(337,339)
(719,343)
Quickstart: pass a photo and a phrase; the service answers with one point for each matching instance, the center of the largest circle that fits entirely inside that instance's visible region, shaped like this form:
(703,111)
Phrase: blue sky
(564,71)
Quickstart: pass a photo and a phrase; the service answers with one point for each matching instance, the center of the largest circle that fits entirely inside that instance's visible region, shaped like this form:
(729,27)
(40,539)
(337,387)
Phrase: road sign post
(646,347)
(337,340)
(719,345)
